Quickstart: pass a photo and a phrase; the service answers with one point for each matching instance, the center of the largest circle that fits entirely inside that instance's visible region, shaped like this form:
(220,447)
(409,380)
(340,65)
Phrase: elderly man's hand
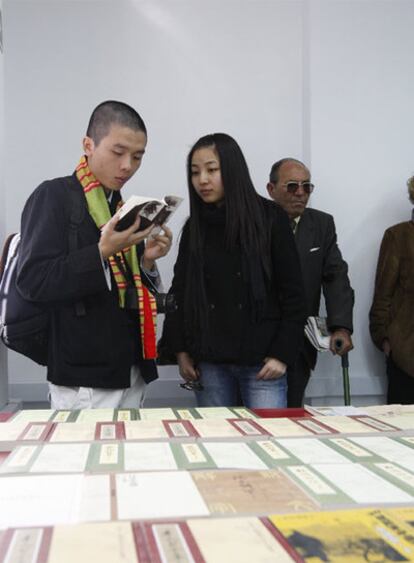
(341,342)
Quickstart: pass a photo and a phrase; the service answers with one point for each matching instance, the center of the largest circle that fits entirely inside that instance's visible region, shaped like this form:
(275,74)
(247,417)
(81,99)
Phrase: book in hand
(151,211)
(317,333)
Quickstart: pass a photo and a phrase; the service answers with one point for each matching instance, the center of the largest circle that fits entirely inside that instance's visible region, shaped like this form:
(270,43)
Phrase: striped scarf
(99,210)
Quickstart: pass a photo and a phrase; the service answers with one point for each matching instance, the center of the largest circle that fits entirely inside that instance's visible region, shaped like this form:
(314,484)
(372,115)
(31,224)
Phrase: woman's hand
(186,366)
(272,369)
(386,347)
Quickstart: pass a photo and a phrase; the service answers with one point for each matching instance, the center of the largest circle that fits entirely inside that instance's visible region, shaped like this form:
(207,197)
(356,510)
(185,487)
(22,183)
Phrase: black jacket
(93,345)
(323,269)
(235,335)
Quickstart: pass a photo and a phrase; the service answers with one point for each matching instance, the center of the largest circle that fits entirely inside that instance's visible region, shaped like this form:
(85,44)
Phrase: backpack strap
(77,214)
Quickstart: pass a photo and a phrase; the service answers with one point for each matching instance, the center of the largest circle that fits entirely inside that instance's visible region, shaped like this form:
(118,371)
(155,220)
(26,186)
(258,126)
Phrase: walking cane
(345,373)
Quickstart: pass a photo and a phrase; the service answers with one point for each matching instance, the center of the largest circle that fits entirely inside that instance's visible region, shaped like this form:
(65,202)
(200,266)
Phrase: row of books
(352,536)
(49,499)
(19,431)
(101,457)
(113,415)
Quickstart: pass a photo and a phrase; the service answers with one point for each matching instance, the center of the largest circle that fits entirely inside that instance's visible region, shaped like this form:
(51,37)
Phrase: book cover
(76,432)
(106,542)
(191,456)
(360,484)
(234,455)
(251,492)
(149,456)
(165,413)
(109,431)
(354,536)
(171,540)
(106,457)
(147,430)
(272,453)
(150,210)
(25,545)
(242,539)
(279,427)
(180,430)
(158,495)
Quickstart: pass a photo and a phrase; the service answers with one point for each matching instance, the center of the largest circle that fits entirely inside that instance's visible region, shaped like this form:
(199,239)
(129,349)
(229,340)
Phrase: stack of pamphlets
(317,333)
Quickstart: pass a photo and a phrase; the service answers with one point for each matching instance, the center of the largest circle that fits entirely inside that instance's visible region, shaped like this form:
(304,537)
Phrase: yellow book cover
(347,535)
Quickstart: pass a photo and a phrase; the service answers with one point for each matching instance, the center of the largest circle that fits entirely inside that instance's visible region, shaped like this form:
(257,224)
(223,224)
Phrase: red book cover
(315,426)
(110,431)
(248,427)
(36,432)
(372,422)
(180,429)
(26,544)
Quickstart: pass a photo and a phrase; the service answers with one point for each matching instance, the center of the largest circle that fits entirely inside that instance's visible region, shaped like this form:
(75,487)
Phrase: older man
(322,267)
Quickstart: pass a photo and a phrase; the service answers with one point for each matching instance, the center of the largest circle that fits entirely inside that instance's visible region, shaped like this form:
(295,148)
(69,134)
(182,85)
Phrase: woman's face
(206,175)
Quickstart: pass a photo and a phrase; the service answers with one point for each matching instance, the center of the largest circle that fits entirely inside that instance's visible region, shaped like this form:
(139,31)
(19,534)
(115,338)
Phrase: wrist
(147,264)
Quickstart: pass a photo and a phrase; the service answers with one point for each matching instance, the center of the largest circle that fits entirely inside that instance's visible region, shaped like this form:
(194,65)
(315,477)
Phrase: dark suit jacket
(323,269)
(98,348)
(392,312)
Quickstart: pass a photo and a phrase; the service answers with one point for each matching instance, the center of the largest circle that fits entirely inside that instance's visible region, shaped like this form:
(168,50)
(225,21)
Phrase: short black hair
(274,172)
(112,112)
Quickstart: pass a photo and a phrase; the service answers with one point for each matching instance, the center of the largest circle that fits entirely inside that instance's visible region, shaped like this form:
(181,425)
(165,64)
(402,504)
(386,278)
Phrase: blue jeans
(226,385)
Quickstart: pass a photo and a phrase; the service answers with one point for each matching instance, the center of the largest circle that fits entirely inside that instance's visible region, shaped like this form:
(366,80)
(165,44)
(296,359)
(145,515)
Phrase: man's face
(294,203)
(117,157)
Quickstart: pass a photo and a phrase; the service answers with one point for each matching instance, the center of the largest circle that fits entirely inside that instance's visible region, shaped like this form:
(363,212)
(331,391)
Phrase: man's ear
(270,189)
(88,146)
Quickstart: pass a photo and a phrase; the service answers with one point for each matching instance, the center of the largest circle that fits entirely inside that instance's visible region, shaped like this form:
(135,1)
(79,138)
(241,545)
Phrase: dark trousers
(400,385)
(297,380)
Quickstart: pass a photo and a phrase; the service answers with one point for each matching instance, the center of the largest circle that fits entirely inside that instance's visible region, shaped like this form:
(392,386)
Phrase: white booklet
(317,333)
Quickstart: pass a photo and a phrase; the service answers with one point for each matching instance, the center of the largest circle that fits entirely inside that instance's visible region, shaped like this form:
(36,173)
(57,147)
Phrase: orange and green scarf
(99,210)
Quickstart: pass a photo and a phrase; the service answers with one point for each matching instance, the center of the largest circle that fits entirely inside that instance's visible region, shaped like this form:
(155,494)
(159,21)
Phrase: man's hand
(113,241)
(272,369)
(186,366)
(341,342)
(156,247)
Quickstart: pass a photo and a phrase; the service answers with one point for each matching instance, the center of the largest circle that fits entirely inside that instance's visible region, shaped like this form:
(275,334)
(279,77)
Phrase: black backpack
(24,325)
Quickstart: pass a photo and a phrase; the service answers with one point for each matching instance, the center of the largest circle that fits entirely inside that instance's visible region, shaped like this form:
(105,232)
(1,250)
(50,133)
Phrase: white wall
(3,355)
(328,81)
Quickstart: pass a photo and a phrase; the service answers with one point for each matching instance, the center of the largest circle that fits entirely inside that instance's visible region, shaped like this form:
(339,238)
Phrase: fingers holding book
(158,245)
(113,241)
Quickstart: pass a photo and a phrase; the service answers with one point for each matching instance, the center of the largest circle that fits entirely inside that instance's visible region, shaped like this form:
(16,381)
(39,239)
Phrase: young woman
(237,284)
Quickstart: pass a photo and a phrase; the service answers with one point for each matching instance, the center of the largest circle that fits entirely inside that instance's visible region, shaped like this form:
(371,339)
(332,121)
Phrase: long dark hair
(245,227)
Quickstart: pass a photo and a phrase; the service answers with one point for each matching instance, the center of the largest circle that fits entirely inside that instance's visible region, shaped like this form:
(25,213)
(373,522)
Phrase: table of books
(207,485)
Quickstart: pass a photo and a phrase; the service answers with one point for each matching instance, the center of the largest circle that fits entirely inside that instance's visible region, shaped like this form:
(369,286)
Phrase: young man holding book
(323,268)
(102,334)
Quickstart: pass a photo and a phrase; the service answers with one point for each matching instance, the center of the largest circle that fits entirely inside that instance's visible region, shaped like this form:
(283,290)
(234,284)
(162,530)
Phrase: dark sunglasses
(292,187)
(192,386)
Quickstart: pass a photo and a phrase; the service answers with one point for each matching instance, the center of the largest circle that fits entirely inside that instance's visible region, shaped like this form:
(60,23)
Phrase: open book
(152,211)
(317,333)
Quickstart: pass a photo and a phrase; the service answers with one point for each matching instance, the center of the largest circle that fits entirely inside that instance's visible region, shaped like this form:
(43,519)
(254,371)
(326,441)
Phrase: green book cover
(121,415)
(105,457)
(192,455)
(351,450)
(394,473)
(186,413)
(272,454)
(243,412)
(318,487)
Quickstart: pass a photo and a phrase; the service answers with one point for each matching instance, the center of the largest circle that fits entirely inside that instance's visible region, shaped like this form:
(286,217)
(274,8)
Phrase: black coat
(323,269)
(97,347)
(235,335)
